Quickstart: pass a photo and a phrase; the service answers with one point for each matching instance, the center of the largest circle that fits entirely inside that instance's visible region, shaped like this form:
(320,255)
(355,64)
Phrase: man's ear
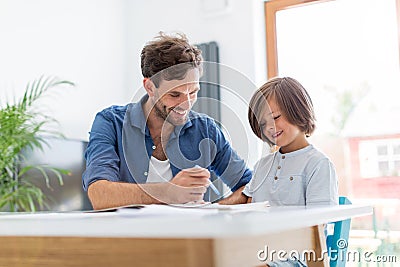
(149,86)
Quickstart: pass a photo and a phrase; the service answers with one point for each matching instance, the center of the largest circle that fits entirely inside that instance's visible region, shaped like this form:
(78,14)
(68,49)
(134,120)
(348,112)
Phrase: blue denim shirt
(120,147)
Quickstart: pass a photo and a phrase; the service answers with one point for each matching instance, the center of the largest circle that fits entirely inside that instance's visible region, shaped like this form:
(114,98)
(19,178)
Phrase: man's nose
(186,102)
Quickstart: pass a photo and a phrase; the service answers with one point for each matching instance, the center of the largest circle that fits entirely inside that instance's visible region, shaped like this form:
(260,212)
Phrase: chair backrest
(337,243)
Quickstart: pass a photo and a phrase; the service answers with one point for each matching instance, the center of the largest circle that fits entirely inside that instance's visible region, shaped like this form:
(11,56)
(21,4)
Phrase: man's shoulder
(114,111)
(200,118)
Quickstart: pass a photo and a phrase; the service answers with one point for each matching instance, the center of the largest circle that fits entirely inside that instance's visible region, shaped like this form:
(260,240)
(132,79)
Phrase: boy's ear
(149,86)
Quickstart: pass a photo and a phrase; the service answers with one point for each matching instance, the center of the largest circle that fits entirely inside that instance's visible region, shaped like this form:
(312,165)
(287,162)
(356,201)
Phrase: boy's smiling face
(279,131)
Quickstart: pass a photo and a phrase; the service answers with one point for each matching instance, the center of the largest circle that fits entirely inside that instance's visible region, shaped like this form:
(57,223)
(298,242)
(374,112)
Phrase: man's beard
(161,112)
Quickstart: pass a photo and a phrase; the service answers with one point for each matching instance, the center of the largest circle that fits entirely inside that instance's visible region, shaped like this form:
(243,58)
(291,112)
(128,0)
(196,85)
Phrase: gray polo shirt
(302,177)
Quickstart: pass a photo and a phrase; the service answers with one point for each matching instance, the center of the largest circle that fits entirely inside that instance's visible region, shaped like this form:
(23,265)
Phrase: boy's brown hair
(159,55)
(293,100)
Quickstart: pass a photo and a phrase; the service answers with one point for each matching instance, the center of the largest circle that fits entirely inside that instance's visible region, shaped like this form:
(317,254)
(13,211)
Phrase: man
(159,150)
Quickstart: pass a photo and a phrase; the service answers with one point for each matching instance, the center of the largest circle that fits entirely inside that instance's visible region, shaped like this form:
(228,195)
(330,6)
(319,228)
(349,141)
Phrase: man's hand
(188,185)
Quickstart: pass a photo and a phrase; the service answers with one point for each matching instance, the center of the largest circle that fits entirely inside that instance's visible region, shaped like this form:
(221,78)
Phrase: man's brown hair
(293,100)
(159,55)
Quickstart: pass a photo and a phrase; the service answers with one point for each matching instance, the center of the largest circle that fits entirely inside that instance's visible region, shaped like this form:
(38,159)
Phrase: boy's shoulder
(317,158)
(316,154)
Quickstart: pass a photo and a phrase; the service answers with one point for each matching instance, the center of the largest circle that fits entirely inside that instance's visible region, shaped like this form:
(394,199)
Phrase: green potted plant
(22,127)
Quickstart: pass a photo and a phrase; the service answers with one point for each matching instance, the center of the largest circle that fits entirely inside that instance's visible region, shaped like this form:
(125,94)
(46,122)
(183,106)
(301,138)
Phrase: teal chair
(337,242)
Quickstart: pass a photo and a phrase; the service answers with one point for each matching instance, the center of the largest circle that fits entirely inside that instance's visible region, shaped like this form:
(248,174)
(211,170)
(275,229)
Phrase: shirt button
(153,147)
(279,167)
(291,178)
(145,173)
(276,177)
(283,157)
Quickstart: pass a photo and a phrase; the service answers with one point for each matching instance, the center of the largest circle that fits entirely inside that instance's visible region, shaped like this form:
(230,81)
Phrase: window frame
(270,9)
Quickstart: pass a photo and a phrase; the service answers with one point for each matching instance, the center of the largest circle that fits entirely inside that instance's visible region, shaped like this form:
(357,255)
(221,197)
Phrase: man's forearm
(237,197)
(105,194)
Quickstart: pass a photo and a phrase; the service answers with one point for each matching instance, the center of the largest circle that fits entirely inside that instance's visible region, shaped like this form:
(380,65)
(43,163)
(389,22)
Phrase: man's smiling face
(174,99)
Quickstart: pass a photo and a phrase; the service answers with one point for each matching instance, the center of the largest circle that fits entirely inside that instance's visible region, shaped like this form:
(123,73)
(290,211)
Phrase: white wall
(97,43)
(80,41)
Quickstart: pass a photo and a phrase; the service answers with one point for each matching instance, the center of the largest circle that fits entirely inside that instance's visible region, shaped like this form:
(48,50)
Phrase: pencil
(212,186)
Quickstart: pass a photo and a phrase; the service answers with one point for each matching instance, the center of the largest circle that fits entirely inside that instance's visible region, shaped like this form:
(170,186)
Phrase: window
(346,54)
(379,158)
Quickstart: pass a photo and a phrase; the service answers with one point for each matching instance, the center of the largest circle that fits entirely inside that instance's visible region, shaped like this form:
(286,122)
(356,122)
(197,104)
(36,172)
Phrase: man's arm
(188,185)
(236,197)
(227,164)
(105,194)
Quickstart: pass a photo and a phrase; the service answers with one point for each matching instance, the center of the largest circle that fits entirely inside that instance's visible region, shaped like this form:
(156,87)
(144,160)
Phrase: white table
(211,239)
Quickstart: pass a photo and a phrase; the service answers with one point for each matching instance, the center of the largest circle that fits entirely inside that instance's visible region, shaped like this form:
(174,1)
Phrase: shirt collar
(180,129)
(136,115)
(295,153)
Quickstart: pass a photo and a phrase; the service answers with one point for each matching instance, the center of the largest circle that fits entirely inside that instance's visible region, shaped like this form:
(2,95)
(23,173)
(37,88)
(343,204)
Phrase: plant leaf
(22,129)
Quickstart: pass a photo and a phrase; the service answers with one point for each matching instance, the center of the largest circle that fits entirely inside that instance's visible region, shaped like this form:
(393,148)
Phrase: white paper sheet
(191,209)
